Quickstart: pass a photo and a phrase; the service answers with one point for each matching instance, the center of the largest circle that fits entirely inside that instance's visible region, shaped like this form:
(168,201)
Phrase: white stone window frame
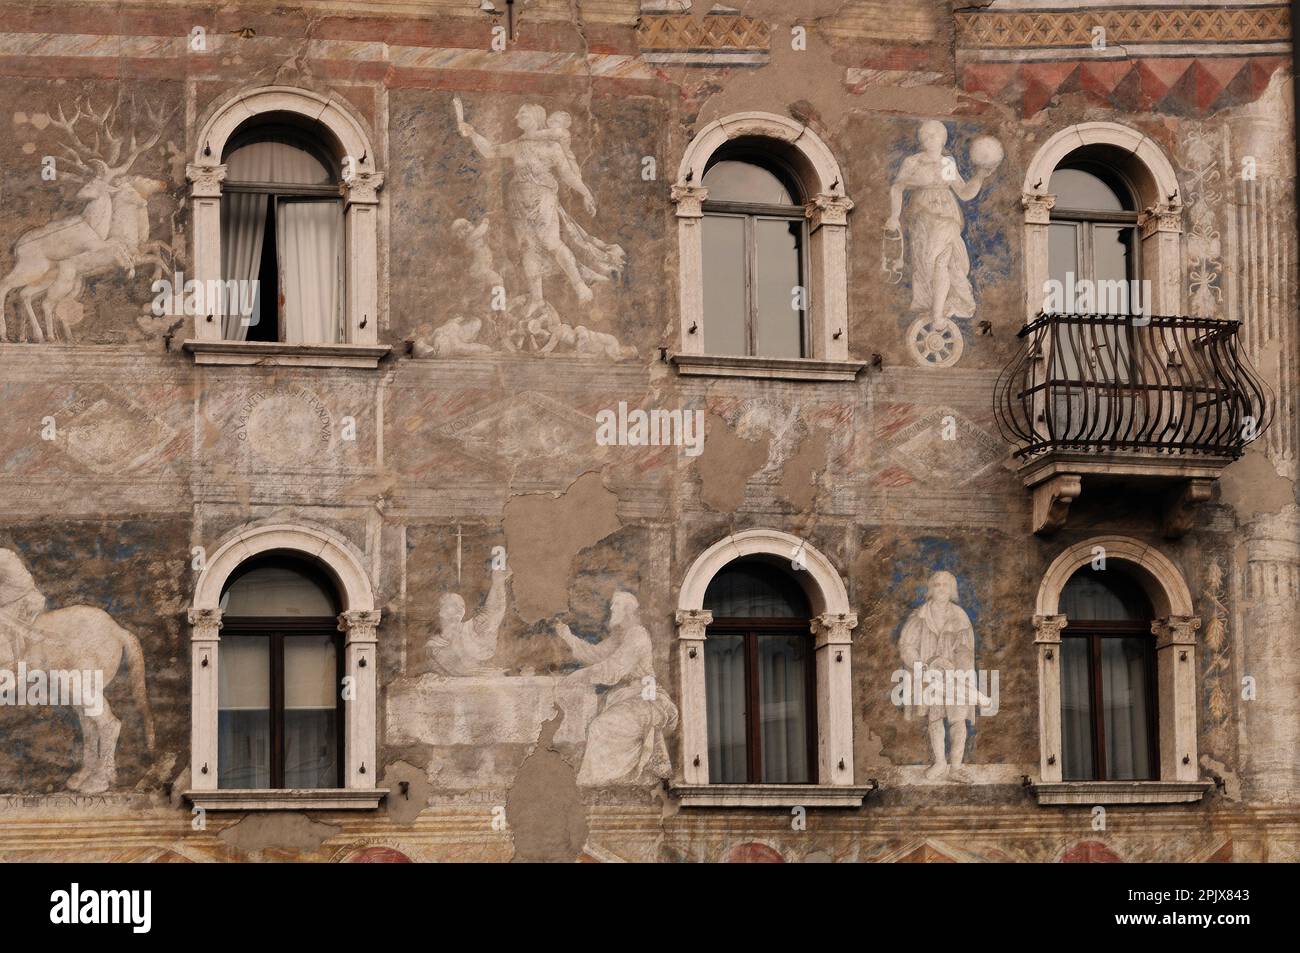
(827,213)
(358,621)
(831,628)
(1159,218)
(342,132)
(1174,629)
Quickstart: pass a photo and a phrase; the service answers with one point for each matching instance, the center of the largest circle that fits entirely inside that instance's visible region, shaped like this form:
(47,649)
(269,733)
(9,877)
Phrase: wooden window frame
(1094,632)
(1086,220)
(750,213)
(750,629)
(275,629)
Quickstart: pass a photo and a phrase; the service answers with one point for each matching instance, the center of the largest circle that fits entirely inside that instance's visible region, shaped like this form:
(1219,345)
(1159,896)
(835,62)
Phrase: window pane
(277,591)
(244,712)
(275,160)
(1076,711)
(732,181)
(1105,595)
(310,712)
(1124,696)
(1078,189)
(1063,257)
(724,674)
(725,304)
(783,707)
(243,230)
(778,325)
(749,589)
(1112,249)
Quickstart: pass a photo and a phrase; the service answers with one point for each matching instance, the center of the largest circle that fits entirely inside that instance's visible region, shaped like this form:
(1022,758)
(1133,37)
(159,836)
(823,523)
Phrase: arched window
(1093,233)
(283,616)
(279,713)
(1117,677)
(755,247)
(1108,680)
(1102,201)
(282,236)
(761,679)
(762,222)
(284,190)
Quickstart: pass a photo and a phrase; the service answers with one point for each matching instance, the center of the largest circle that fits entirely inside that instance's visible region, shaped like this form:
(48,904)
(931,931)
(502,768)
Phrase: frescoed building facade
(630,430)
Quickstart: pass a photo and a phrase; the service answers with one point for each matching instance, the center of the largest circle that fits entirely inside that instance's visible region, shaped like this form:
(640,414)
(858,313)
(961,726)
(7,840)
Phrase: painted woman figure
(542,159)
(940,264)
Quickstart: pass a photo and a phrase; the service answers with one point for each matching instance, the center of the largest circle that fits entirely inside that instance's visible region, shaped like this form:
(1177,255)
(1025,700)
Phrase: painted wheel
(933,345)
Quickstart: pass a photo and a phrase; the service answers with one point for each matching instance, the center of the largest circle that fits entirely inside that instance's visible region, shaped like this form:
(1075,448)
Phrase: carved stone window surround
(360,192)
(827,215)
(359,622)
(1174,630)
(831,629)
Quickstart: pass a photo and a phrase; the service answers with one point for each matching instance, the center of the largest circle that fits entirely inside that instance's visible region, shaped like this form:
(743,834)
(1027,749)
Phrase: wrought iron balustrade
(1102,383)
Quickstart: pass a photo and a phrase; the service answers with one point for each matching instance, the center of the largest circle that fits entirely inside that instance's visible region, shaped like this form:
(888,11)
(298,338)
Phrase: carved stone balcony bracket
(1180,506)
(1052,499)
(1056,483)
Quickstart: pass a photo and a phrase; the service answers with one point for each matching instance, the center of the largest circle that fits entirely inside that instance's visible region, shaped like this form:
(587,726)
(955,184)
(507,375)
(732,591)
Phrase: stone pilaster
(360,659)
(205,642)
(691,625)
(1270,656)
(1176,686)
(833,645)
(1047,636)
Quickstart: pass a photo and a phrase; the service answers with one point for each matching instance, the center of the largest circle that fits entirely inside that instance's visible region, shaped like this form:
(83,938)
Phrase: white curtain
(244,712)
(724,672)
(273,160)
(783,709)
(243,225)
(309,239)
(1076,711)
(1124,691)
(310,248)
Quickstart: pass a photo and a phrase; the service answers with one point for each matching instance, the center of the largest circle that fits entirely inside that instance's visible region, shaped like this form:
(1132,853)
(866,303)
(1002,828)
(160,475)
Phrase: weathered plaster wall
(460,450)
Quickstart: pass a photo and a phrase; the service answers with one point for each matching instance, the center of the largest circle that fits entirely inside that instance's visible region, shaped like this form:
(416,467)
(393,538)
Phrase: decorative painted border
(715,32)
(1039,28)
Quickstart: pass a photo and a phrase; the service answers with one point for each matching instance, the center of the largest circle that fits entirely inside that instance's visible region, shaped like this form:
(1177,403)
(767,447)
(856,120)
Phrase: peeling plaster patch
(182,783)
(544,533)
(544,809)
(294,832)
(914,100)
(798,478)
(1217,769)
(1252,486)
(727,463)
(405,808)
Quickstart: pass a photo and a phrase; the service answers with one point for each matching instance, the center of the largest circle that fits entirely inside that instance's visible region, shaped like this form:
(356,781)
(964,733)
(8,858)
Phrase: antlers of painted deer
(99,158)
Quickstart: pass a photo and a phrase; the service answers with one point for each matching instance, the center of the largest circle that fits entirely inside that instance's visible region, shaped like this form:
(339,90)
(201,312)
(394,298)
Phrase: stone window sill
(770,368)
(268,353)
(287,799)
(770,795)
(1119,792)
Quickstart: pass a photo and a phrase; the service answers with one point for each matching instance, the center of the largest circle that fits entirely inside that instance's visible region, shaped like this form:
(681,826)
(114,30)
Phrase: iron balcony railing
(1099,383)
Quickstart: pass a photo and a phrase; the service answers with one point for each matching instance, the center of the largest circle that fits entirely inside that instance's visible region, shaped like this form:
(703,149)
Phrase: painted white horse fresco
(111,232)
(84,638)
